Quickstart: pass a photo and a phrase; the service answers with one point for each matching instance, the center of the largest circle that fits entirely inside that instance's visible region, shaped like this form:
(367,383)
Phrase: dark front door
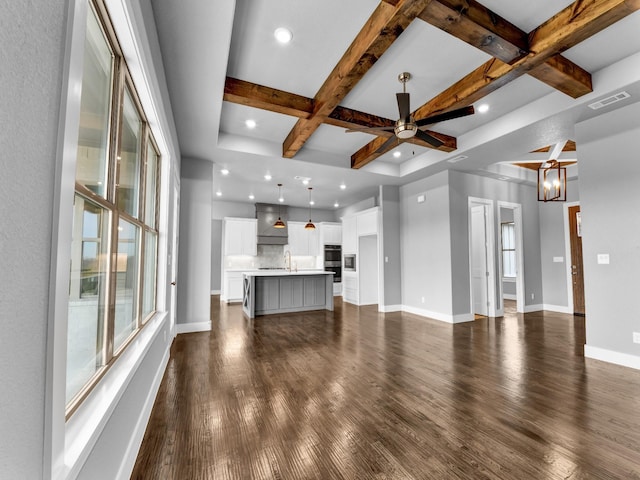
(576,260)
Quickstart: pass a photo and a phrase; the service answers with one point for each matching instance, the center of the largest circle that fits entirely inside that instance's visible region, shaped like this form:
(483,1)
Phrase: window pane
(128,182)
(150,187)
(126,271)
(87,294)
(508,236)
(509,263)
(91,166)
(149,281)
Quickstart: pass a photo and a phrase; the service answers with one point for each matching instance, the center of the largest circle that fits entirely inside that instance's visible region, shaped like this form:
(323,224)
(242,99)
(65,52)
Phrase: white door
(479,271)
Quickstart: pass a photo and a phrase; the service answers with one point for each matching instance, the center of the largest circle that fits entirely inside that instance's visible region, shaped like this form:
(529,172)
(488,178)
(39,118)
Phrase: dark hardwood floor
(356,394)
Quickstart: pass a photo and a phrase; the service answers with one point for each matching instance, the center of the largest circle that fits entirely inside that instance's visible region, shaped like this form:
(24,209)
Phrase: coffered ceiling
(537,65)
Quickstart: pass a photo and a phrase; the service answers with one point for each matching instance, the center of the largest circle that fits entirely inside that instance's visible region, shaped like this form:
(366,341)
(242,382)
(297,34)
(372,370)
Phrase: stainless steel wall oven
(333,261)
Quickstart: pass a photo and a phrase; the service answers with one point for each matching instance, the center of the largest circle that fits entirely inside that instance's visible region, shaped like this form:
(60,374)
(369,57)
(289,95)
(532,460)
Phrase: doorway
(577,274)
(512,274)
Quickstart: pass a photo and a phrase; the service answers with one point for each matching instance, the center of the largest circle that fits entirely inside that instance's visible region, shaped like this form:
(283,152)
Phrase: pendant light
(279,223)
(310,225)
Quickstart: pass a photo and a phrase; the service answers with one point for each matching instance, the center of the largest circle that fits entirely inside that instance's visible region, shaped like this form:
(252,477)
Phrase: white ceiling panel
(301,66)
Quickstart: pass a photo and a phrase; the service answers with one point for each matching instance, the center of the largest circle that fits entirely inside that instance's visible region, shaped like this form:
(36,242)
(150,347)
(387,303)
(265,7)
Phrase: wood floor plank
(356,394)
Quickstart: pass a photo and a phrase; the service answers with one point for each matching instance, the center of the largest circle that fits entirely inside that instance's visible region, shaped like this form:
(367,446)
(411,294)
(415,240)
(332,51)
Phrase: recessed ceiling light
(267,177)
(283,35)
(397,154)
(251,197)
(336,205)
(312,202)
(484,108)
(224,171)
(250,123)
(219,193)
(281,199)
(343,186)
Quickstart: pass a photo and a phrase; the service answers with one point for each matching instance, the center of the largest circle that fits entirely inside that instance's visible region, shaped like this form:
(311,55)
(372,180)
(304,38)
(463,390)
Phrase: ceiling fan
(406,126)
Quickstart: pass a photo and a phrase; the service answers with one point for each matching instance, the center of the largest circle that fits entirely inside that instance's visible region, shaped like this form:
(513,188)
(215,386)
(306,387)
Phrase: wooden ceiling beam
(478,26)
(383,27)
(266,98)
(279,101)
(569,27)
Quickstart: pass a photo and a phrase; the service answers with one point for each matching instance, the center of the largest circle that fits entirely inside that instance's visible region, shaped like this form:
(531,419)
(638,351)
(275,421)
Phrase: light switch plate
(558,259)
(420,198)
(636,337)
(603,259)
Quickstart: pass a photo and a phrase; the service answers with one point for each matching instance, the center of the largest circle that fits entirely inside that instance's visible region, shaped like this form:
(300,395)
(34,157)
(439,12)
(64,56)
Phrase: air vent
(457,159)
(609,100)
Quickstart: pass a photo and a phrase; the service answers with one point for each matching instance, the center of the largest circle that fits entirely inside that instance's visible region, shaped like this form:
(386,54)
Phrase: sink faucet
(287,264)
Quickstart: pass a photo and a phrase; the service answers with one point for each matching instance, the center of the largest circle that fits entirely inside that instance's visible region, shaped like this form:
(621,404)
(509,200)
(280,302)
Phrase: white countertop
(285,273)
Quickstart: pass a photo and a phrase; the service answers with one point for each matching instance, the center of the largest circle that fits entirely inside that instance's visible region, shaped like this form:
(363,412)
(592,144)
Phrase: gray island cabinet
(270,292)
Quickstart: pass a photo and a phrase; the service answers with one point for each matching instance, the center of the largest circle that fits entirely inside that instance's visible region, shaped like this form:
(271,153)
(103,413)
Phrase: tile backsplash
(269,256)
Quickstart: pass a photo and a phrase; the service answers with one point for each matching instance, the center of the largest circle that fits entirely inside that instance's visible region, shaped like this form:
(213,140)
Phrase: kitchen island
(268,292)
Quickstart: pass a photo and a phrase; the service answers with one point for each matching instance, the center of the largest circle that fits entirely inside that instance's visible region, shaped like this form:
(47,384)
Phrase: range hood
(267,214)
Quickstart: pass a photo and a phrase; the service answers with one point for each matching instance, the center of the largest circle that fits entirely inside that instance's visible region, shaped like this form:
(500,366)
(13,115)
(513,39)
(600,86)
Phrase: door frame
(517,220)
(490,227)
(567,253)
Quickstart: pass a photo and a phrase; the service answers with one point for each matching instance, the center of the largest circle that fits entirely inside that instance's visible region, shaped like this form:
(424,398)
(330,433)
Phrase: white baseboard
(509,296)
(126,467)
(533,308)
(193,327)
(557,308)
(389,308)
(216,292)
(624,359)
(442,317)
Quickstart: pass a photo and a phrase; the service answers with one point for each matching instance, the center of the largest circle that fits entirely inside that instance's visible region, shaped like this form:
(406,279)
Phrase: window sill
(84,427)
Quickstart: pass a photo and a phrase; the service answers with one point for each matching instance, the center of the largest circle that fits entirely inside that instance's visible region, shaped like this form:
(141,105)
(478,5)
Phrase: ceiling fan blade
(441,117)
(370,129)
(403,105)
(386,144)
(425,137)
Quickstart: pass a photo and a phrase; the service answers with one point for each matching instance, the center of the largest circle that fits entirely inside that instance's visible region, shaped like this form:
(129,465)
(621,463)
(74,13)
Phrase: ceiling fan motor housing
(405,128)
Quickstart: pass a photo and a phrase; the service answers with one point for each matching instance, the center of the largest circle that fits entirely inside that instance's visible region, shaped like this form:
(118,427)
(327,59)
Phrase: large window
(508,250)
(112,288)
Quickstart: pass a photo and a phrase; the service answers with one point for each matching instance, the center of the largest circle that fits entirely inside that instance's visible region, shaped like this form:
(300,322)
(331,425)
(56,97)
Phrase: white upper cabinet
(349,235)
(368,222)
(240,236)
(330,234)
(303,242)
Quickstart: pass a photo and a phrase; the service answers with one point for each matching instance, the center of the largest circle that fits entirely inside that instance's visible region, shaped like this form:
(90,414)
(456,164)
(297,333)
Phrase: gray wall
(32,58)
(462,186)
(552,244)
(426,245)
(390,206)
(609,199)
(194,260)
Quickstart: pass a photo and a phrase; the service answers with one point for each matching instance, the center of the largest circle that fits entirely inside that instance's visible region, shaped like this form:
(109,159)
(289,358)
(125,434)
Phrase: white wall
(32,59)
(194,264)
(609,199)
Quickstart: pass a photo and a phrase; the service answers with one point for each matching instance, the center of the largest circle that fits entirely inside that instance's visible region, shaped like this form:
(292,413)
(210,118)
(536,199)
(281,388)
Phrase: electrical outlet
(533,296)
(422,299)
(636,337)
